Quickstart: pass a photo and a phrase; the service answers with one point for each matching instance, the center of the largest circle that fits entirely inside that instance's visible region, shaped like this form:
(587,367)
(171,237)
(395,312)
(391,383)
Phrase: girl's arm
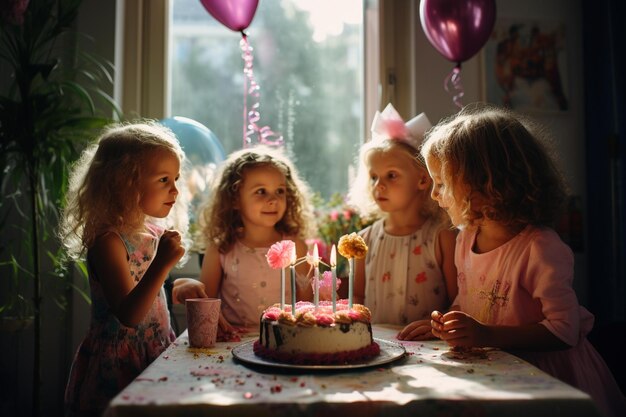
(447,244)
(211,276)
(209,283)
(359,281)
(359,270)
(129,302)
(303,292)
(460,329)
(211,272)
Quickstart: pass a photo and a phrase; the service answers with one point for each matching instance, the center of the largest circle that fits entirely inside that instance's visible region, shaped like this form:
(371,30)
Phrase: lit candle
(292,269)
(350,281)
(316,277)
(333,270)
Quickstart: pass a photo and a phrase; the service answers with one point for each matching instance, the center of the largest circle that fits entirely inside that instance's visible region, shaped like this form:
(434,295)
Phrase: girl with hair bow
(409,270)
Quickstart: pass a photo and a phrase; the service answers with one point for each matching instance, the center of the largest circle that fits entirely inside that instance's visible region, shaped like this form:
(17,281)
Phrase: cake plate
(389,352)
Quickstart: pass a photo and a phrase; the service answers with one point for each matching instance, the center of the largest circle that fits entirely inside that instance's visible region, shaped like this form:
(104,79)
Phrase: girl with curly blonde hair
(125,214)
(256,199)
(498,181)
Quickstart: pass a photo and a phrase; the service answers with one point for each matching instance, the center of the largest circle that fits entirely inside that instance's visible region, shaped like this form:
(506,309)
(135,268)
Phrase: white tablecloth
(430,380)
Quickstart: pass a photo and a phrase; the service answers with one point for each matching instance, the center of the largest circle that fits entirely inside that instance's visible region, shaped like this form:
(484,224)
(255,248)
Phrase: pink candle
(350,282)
(292,269)
(333,270)
(316,277)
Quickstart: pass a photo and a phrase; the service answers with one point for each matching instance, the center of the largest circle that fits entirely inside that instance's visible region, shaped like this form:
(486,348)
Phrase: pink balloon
(234,14)
(458,28)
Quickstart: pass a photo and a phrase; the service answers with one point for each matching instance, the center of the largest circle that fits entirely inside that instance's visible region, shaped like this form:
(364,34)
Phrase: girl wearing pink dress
(123,197)
(256,199)
(500,186)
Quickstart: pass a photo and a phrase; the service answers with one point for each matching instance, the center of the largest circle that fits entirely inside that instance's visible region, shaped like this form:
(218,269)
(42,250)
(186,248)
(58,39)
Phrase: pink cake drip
(323,314)
(348,357)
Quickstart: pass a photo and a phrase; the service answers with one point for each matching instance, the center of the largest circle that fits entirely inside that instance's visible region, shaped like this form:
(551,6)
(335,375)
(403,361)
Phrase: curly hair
(361,197)
(497,165)
(221,225)
(105,186)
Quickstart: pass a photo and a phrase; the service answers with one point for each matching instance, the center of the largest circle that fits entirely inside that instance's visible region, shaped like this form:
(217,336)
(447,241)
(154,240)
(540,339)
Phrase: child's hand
(417,330)
(436,316)
(228,333)
(187,288)
(459,329)
(170,249)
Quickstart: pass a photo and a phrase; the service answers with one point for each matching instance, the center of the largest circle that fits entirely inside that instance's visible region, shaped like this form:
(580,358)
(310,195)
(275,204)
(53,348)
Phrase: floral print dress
(403,281)
(112,354)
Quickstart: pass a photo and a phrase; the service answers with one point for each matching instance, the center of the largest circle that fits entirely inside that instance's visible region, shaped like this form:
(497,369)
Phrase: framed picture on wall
(526,66)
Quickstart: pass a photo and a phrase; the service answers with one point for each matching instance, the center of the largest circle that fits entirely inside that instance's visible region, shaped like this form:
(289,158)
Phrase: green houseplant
(335,219)
(49,93)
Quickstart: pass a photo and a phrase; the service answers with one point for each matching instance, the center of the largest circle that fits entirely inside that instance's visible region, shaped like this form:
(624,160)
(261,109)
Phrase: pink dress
(112,354)
(249,285)
(529,280)
(403,281)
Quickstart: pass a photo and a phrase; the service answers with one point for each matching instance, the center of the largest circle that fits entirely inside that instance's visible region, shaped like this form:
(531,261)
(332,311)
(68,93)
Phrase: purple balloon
(458,28)
(234,14)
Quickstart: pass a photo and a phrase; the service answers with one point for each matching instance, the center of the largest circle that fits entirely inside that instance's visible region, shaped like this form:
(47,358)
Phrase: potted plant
(48,100)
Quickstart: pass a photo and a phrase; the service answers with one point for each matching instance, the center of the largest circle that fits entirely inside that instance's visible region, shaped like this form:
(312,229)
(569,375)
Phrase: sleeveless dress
(403,281)
(249,285)
(529,280)
(112,354)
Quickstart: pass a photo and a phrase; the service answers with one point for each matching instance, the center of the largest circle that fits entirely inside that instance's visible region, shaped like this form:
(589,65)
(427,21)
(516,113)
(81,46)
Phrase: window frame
(143,51)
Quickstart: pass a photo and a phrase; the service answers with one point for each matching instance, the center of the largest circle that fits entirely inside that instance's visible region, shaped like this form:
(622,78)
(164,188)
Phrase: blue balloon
(198,141)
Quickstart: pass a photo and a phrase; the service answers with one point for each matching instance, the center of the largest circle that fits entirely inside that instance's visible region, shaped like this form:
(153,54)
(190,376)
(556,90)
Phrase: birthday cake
(316,336)
(316,333)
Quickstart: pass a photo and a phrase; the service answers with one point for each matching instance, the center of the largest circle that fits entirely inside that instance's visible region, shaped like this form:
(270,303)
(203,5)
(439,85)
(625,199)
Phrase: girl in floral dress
(500,186)
(122,204)
(409,268)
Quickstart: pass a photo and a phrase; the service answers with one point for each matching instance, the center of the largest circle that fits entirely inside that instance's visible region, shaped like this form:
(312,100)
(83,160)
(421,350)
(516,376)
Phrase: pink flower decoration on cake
(272,313)
(326,285)
(325,319)
(354,315)
(279,254)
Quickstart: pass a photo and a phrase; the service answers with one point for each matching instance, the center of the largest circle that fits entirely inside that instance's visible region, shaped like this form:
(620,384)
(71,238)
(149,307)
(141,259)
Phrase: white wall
(567,127)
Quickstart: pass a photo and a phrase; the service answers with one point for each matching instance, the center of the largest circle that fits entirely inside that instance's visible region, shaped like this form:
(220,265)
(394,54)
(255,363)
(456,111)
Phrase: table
(430,380)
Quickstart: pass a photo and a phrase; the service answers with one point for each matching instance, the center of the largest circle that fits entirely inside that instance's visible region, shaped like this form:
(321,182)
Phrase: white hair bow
(389,125)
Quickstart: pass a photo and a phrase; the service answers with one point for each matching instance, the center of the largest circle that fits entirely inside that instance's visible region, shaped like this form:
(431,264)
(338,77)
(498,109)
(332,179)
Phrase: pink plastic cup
(202,319)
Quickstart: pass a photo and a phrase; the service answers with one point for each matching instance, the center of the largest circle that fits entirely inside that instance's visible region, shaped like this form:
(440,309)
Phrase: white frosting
(315,339)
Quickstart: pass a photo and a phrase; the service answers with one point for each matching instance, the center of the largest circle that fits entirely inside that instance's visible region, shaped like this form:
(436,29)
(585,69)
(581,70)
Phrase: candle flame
(333,257)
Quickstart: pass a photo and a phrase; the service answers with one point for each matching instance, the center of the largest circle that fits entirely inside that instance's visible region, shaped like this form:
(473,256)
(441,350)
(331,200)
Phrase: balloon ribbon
(454,79)
(252,91)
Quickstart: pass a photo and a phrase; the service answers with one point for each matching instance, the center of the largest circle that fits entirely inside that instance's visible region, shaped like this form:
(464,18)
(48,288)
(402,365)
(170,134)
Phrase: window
(309,60)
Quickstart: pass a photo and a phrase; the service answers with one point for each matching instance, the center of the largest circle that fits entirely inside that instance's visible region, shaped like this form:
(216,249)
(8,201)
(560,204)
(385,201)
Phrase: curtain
(605,91)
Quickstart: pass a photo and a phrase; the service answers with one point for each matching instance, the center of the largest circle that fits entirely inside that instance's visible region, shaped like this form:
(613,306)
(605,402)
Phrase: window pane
(308,61)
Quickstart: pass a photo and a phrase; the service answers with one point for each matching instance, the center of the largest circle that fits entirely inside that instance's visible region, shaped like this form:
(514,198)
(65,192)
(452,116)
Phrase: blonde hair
(361,196)
(221,225)
(105,186)
(501,162)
